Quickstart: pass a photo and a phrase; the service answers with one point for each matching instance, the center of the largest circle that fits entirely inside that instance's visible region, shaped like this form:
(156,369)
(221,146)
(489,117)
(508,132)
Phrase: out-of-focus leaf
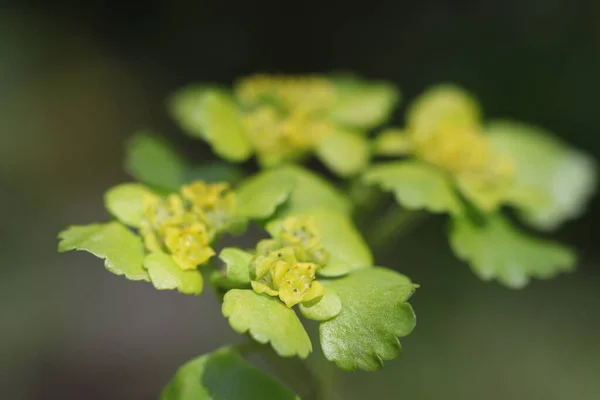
(122,251)
(166,275)
(237,262)
(393,142)
(217,171)
(563,178)
(416,185)
(125,201)
(363,105)
(154,162)
(223,375)
(325,307)
(496,250)
(344,152)
(259,196)
(267,319)
(374,314)
(211,114)
(444,104)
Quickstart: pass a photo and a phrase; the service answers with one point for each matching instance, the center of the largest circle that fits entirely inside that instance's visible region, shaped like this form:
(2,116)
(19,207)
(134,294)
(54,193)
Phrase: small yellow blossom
(184,224)
(302,233)
(312,93)
(279,273)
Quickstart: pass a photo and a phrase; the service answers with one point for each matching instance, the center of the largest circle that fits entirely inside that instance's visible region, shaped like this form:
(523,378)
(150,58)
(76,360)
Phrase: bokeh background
(78,78)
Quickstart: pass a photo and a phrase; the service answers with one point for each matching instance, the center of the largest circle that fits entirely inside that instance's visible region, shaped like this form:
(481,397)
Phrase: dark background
(77,79)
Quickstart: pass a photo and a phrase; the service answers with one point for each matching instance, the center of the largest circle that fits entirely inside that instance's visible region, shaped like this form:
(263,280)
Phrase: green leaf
(444,104)
(323,308)
(154,162)
(267,319)
(496,250)
(121,249)
(344,152)
(217,171)
(563,178)
(287,190)
(416,185)
(237,262)
(211,114)
(393,142)
(166,275)
(363,105)
(223,375)
(310,191)
(374,314)
(260,195)
(126,202)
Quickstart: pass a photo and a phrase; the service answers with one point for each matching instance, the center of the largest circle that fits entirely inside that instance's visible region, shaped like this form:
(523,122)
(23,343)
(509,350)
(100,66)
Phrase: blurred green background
(77,79)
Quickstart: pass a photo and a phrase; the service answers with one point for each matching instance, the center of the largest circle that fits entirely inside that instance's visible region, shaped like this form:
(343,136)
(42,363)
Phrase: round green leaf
(126,201)
(154,162)
(393,142)
(122,250)
(496,250)
(259,196)
(563,179)
(166,275)
(267,319)
(416,185)
(363,105)
(374,314)
(237,262)
(223,375)
(323,308)
(344,152)
(211,114)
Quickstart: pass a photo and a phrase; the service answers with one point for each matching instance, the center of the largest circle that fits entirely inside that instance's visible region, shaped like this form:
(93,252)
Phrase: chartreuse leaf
(154,162)
(323,308)
(266,319)
(496,250)
(374,314)
(211,114)
(363,105)
(260,195)
(237,264)
(125,202)
(344,152)
(122,250)
(310,191)
(166,275)
(416,185)
(223,375)
(563,179)
(393,142)
(292,187)
(445,104)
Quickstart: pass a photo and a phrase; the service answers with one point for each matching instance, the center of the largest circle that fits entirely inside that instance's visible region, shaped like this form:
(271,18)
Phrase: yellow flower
(302,233)
(189,246)
(213,203)
(279,273)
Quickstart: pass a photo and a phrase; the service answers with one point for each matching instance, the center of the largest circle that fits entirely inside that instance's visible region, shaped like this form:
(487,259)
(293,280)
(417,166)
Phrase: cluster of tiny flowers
(285,266)
(185,224)
(284,115)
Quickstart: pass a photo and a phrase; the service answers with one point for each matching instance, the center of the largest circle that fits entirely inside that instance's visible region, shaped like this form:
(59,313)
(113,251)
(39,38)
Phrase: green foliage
(416,186)
(152,161)
(557,181)
(223,375)
(495,250)
(211,114)
(166,275)
(125,202)
(448,161)
(267,319)
(374,314)
(122,251)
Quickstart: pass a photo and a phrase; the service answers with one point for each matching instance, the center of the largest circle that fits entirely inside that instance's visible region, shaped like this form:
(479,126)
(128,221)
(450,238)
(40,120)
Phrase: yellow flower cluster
(285,115)
(184,224)
(285,266)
